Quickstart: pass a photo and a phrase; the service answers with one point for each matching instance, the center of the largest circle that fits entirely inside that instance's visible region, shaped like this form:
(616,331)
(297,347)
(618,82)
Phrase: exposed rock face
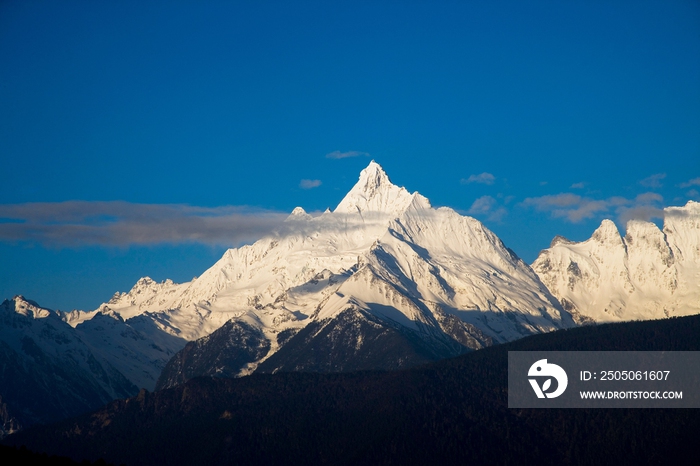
(224,353)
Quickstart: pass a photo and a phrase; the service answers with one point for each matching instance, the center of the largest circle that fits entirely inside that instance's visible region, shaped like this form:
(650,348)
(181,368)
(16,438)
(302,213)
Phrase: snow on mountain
(375,195)
(138,347)
(382,251)
(255,282)
(383,281)
(145,294)
(648,274)
(383,269)
(430,262)
(47,372)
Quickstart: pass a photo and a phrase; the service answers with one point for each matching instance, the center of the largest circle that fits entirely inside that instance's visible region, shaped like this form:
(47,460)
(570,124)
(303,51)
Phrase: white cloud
(570,206)
(483,178)
(639,212)
(117,223)
(482,205)
(577,185)
(653,181)
(689,183)
(575,208)
(550,201)
(497,215)
(488,206)
(309,184)
(617,201)
(648,197)
(336,154)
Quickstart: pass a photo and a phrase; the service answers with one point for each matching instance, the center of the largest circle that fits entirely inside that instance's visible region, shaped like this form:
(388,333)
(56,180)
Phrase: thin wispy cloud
(653,181)
(309,184)
(578,185)
(575,208)
(689,183)
(482,205)
(80,223)
(645,206)
(640,212)
(646,198)
(336,154)
(487,206)
(482,178)
(567,205)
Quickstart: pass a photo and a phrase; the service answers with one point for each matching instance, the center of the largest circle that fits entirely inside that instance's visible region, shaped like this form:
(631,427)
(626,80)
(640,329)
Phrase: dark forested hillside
(451,412)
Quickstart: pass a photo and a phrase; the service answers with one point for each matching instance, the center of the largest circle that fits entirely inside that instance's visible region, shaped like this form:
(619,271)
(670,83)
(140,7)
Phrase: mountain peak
(558,239)
(26,307)
(607,233)
(372,179)
(374,175)
(374,192)
(690,209)
(298,214)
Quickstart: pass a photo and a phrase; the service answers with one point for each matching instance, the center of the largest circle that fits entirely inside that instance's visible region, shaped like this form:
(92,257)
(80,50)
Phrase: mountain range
(650,273)
(384,281)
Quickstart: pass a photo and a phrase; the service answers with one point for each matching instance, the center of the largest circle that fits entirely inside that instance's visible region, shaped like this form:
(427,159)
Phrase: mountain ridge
(47,371)
(650,273)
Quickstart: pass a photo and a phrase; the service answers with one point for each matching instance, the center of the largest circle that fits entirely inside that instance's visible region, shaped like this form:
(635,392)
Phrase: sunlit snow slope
(383,251)
(647,274)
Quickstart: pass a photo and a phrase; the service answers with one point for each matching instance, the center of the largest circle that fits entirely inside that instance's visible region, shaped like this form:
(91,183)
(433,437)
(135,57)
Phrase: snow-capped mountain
(47,372)
(383,281)
(384,259)
(647,274)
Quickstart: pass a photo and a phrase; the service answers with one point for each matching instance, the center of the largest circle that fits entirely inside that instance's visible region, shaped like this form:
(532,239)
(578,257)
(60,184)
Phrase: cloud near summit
(689,183)
(487,206)
(118,223)
(575,208)
(336,154)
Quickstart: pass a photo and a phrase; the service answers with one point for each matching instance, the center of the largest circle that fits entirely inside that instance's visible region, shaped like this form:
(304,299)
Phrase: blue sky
(143,138)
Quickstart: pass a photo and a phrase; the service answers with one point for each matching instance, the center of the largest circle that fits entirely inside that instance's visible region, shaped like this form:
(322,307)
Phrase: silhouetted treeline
(11,456)
(450,412)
